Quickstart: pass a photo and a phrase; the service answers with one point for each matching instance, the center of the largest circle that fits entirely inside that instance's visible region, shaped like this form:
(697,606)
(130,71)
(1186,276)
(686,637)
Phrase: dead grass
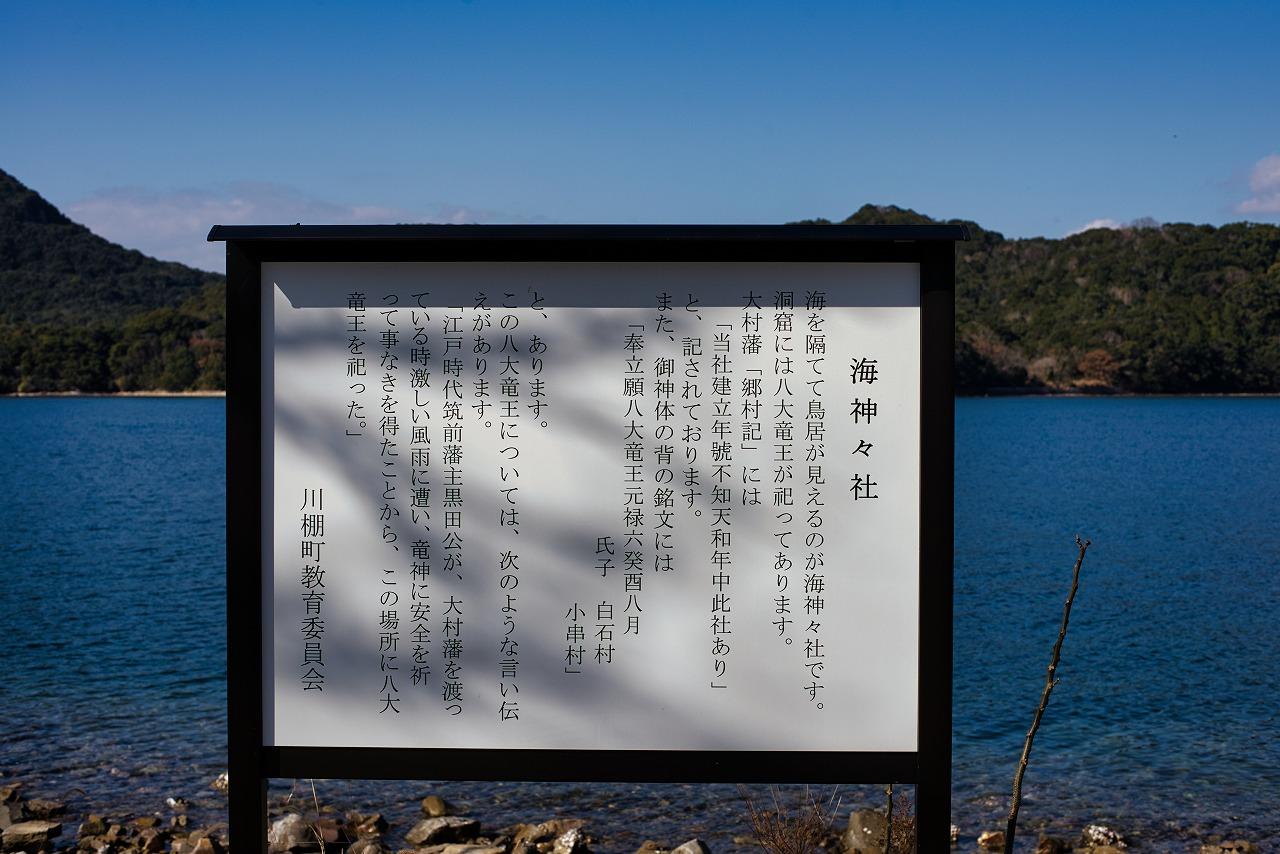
(791,826)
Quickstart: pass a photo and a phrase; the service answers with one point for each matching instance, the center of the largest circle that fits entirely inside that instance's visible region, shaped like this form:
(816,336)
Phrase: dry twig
(888,819)
(1049,682)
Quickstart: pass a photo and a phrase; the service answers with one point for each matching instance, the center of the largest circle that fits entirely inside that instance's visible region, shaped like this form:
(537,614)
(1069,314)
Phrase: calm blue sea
(1164,724)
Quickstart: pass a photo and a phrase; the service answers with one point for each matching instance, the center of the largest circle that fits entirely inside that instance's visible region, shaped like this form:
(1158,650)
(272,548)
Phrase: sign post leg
(247,801)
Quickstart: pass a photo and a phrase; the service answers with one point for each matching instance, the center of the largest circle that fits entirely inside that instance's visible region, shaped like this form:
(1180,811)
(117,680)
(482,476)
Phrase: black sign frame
(251,763)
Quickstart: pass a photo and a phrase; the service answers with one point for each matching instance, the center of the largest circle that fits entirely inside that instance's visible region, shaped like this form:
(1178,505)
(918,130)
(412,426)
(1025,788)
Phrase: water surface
(1164,723)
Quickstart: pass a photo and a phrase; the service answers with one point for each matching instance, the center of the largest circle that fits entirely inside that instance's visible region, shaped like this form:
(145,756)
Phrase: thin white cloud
(1096,223)
(1264,182)
(173,225)
(1115,224)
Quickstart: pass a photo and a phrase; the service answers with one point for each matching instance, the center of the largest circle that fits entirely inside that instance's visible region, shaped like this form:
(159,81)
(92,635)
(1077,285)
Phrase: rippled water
(1164,724)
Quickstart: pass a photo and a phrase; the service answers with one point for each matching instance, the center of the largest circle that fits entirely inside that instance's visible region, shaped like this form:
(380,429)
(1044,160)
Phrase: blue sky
(151,121)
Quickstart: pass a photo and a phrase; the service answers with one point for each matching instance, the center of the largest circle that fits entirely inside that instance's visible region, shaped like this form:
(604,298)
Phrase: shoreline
(427,825)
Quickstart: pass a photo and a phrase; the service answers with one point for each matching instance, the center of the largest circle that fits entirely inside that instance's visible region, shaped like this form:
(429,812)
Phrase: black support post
(937,463)
(247,809)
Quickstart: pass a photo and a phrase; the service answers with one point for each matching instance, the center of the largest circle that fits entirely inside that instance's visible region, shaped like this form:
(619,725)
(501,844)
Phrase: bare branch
(1049,682)
(888,819)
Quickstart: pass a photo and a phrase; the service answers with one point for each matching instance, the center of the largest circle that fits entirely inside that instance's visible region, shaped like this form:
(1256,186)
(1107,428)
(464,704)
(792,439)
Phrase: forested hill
(79,313)
(1151,308)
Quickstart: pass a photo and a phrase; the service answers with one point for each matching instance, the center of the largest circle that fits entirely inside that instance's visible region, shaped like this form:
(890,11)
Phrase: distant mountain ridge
(54,269)
(1150,308)
(79,313)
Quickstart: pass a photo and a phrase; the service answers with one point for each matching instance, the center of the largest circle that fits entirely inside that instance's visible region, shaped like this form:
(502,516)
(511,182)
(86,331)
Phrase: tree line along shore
(1149,308)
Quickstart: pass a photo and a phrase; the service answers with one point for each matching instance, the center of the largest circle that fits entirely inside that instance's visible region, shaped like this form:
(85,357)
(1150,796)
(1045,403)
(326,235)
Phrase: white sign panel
(592,505)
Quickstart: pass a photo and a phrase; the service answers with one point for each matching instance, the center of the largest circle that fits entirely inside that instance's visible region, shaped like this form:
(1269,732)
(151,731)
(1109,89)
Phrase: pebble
(434,806)
(992,840)
(693,846)
(1098,834)
(570,842)
(866,831)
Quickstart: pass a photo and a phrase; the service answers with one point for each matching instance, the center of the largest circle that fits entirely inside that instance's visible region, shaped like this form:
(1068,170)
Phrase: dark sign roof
(552,233)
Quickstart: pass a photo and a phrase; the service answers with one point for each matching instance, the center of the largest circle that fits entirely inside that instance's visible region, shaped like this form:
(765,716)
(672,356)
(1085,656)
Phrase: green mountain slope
(1155,308)
(79,313)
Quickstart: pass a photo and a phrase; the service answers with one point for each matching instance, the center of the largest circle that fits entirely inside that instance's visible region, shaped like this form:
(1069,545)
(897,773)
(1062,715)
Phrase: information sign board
(651,503)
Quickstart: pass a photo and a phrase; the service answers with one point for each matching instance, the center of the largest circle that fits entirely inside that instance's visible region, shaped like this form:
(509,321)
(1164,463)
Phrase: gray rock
(693,846)
(1052,845)
(332,832)
(546,831)
(93,825)
(367,825)
(866,832)
(367,845)
(35,835)
(188,845)
(462,848)
(434,806)
(1235,846)
(1097,834)
(12,812)
(153,840)
(292,831)
(208,845)
(45,809)
(443,829)
(97,844)
(222,782)
(570,842)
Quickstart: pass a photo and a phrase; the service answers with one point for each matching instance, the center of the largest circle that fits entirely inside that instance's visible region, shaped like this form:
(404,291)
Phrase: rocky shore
(40,826)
